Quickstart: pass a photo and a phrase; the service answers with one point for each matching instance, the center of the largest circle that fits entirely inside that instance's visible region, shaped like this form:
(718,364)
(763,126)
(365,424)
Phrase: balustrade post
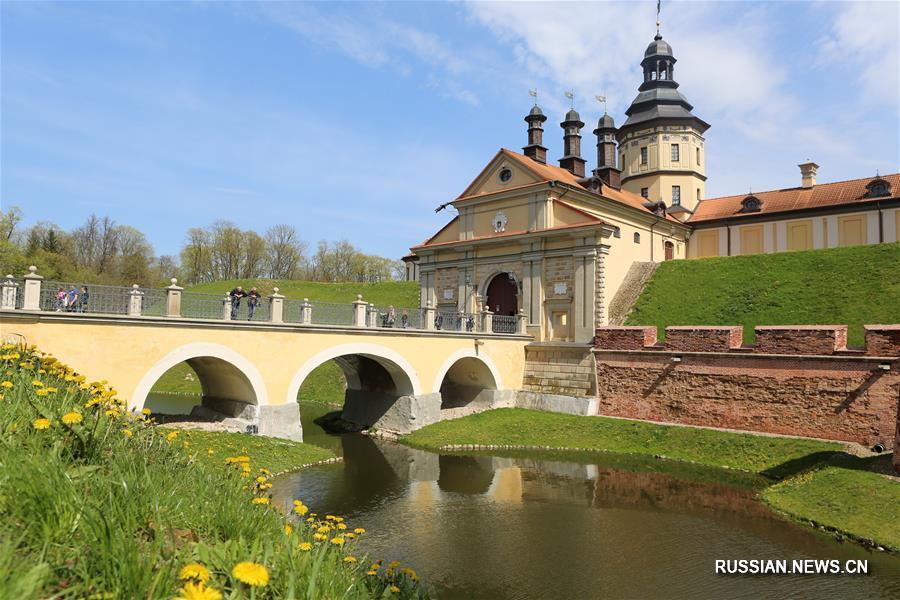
(135,301)
(32,297)
(306,312)
(173,299)
(10,291)
(359,311)
(428,316)
(371,316)
(461,321)
(226,308)
(487,320)
(276,307)
(522,322)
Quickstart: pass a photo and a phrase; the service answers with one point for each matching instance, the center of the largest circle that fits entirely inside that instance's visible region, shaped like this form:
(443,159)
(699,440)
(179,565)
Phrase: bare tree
(9,219)
(284,252)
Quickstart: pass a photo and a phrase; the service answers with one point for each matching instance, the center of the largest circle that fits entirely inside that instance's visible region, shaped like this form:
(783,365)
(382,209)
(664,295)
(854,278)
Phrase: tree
(9,219)
(284,252)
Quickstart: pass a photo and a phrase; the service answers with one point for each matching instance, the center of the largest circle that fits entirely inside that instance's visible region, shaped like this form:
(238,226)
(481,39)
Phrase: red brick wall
(799,339)
(883,340)
(624,338)
(703,339)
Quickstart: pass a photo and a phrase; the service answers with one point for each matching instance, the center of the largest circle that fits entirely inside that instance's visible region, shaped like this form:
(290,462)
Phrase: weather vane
(533,94)
(603,100)
(658,8)
(571,96)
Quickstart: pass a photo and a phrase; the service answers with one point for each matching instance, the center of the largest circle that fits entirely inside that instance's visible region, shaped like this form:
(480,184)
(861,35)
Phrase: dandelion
(127,433)
(209,451)
(341,526)
(320,537)
(337,541)
(194,571)
(359,530)
(37,383)
(288,529)
(395,589)
(260,500)
(198,591)
(171,436)
(251,573)
(301,509)
(41,423)
(305,546)
(6,384)
(71,418)
(349,535)
(41,392)
(349,559)
(371,572)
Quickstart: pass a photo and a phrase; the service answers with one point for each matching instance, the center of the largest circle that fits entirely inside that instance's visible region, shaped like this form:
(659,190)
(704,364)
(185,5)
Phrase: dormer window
(750,204)
(878,188)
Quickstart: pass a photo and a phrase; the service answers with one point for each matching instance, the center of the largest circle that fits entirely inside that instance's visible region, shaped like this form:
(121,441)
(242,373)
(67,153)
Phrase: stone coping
(252,325)
(799,327)
(748,353)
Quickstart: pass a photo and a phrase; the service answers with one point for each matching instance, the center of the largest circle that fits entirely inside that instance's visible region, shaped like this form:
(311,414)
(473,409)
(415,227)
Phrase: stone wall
(701,376)
(558,269)
(561,369)
(446,279)
(639,273)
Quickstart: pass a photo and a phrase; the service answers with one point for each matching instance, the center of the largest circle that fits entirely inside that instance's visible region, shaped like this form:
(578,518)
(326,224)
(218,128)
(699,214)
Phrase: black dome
(606,122)
(535,110)
(658,46)
(573,115)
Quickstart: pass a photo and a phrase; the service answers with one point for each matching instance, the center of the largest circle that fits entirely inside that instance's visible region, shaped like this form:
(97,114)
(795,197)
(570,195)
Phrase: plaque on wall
(448,294)
(560,289)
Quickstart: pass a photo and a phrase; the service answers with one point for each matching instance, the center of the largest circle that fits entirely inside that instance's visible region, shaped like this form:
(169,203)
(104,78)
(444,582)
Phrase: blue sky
(356,120)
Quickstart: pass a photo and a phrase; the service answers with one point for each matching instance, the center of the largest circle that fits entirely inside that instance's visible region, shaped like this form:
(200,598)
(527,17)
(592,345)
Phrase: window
(617,232)
(644,155)
(645,192)
(750,204)
(637,237)
(676,153)
(698,194)
(676,195)
(505,175)
(698,156)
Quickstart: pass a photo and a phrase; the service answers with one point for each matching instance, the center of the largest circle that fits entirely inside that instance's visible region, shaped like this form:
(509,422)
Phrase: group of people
(71,300)
(238,294)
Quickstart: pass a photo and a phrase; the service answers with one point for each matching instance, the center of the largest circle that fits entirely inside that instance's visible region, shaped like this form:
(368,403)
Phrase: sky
(355,120)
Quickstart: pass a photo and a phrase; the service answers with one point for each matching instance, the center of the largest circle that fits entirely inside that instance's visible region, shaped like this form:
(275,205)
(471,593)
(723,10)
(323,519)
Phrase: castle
(559,244)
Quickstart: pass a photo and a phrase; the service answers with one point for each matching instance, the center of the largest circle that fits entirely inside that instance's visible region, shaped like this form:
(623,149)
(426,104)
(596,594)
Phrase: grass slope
(397,293)
(773,456)
(852,286)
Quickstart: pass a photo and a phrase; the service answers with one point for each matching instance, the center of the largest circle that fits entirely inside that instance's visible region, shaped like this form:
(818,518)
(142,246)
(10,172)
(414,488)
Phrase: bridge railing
(31,293)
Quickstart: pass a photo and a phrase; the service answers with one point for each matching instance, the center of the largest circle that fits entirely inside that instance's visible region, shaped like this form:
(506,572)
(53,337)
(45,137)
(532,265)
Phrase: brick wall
(447,279)
(703,377)
(883,340)
(564,369)
(624,338)
(558,269)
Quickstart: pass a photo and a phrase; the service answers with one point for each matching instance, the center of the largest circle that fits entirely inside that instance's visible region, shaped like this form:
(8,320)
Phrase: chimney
(808,174)
(534,150)
(572,160)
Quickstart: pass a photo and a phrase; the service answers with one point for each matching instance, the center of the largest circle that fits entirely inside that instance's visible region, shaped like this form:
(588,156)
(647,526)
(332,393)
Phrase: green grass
(397,293)
(96,503)
(846,496)
(840,286)
(771,456)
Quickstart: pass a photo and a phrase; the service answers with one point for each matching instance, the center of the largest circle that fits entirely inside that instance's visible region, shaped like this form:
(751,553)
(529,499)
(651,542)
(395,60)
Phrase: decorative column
(359,311)
(10,291)
(461,321)
(173,299)
(226,307)
(428,316)
(371,316)
(584,294)
(276,307)
(306,312)
(135,301)
(487,321)
(522,322)
(32,297)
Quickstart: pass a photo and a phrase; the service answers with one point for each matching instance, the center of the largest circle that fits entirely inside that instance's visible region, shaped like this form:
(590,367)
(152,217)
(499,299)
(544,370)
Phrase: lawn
(397,293)
(840,286)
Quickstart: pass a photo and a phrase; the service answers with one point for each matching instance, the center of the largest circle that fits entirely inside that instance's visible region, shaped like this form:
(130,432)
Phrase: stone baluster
(276,307)
(372,316)
(173,299)
(10,293)
(306,312)
(428,316)
(32,291)
(521,322)
(135,301)
(487,320)
(359,311)
(226,307)
(460,321)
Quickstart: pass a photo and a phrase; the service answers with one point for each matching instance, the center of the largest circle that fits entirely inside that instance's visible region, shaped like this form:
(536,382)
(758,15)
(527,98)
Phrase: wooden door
(502,295)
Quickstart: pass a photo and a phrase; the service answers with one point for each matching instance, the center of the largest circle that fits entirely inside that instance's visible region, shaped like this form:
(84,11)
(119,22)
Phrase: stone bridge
(398,378)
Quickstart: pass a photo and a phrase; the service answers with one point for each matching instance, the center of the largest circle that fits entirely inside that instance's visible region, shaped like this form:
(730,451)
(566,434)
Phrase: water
(538,525)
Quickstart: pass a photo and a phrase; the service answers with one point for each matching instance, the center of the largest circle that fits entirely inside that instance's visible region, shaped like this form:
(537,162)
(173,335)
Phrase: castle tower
(572,161)
(661,145)
(606,169)
(534,150)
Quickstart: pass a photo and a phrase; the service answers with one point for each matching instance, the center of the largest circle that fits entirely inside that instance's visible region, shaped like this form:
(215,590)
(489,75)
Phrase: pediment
(501,173)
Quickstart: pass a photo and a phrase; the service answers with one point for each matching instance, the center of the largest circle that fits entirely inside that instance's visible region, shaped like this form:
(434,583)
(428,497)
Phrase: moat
(553,525)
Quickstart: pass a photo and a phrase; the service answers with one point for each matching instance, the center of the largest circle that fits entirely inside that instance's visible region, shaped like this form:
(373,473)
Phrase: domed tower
(572,161)
(606,169)
(661,145)
(534,149)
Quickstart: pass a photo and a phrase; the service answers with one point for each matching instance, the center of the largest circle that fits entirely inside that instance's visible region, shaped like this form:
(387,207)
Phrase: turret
(606,169)
(534,150)
(572,161)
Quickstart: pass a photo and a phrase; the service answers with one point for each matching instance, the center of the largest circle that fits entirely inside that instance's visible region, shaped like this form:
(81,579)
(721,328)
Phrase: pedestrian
(252,302)
(71,298)
(391,316)
(60,299)
(83,298)
(404,319)
(236,294)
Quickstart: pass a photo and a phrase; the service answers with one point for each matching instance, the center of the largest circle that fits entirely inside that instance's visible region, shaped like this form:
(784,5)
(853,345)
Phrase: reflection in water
(521,527)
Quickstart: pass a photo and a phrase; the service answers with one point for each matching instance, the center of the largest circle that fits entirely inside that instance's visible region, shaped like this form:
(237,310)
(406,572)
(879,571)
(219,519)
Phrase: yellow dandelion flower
(305,546)
(409,572)
(330,517)
(37,383)
(260,501)
(349,535)
(52,390)
(395,589)
(261,479)
(71,418)
(371,572)
(194,571)
(359,530)
(127,433)
(349,559)
(338,519)
(301,509)
(112,412)
(341,526)
(41,423)
(320,537)
(146,411)
(171,436)
(209,451)
(2,396)
(198,591)
(41,392)
(251,573)
(337,541)
(6,384)
(288,529)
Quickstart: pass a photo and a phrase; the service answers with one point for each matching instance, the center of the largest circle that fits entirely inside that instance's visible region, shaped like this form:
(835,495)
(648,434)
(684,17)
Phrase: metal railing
(247,313)
(195,305)
(454,321)
(80,298)
(504,323)
(153,302)
(398,318)
(328,313)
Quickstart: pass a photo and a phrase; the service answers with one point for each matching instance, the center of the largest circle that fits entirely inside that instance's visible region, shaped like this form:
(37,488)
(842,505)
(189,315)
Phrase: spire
(535,119)
(572,160)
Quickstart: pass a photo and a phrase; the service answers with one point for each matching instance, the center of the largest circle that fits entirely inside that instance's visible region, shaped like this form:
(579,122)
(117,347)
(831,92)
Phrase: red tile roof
(822,195)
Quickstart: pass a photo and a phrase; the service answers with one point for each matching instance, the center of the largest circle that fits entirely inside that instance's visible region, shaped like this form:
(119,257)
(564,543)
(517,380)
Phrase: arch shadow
(468,379)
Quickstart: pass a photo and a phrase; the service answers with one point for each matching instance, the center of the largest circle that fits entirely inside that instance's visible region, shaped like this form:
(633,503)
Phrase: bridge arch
(224,375)
(468,379)
(477,357)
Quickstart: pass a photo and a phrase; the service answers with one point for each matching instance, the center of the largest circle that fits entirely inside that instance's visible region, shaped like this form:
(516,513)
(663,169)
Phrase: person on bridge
(252,302)
(71,299)
(236,294)
(83,298)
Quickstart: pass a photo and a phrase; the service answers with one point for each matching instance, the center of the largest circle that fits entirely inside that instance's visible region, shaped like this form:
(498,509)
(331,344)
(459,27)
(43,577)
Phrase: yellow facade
(799,235)
(852,230)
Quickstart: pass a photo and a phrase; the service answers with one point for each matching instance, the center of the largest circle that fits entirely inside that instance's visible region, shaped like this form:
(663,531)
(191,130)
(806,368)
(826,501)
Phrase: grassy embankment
(819,482)
(326,383)
(97,503)
(839,286)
